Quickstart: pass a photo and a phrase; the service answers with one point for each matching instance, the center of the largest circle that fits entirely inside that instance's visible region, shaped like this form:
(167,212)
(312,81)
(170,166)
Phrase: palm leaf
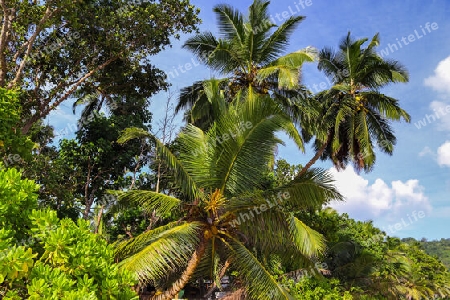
(278,41)
(126,248)
(150,201)
(260,284)
(309,242)
(182,177)
(311,189)
(231,22)
(169,253)
(202,45)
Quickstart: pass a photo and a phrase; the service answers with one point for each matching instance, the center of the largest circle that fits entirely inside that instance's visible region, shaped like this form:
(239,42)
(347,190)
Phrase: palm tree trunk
(315,158)
(178,285)
(221,274)
(99,219)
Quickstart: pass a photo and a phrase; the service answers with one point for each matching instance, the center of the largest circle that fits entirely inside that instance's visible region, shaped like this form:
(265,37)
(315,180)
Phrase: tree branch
(4,37)
(316,157)
(76,85)
(45,112)
(48,13)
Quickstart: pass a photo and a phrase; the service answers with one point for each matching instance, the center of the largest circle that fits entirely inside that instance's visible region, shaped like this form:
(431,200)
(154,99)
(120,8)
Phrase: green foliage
(12,141)
(17,200)
(439,248)
(43,257)
(81,171)
(310,288)
(58,181)
(74,259)
(91,47)
(369,263)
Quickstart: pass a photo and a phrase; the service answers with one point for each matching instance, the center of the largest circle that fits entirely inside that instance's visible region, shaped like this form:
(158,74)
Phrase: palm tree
(355,114)
(227,218)
(248,52)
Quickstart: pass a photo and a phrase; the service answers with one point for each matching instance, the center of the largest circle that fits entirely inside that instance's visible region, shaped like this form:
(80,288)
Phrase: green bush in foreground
(311,288)
(49,258)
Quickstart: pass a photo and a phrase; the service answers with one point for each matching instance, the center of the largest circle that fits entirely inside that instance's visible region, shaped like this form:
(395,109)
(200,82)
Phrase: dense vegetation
(439,249)
(129,210)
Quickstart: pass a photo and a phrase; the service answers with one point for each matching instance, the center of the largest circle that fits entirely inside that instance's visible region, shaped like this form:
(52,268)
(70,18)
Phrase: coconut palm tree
(227,218)
(249,53)
(355,114)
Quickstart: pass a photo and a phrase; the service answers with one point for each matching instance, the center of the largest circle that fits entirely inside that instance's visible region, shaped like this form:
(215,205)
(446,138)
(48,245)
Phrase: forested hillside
(439,249)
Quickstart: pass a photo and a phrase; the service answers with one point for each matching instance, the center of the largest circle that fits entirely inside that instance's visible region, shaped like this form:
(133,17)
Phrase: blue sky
(406,194)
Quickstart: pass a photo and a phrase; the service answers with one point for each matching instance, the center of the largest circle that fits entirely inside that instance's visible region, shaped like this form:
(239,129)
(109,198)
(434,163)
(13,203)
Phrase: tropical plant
(14,146)
(249,50)
(227,218)
(370,264)
(310,288)
(355,115)
(43,257)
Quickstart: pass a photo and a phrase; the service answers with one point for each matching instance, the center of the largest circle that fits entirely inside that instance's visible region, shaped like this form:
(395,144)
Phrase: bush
(43,257)
(310,288)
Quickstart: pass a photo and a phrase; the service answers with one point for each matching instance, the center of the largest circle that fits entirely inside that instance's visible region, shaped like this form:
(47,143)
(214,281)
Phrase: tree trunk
(221,274)
(99,219)
(184,278)
(29,123)
(313,160)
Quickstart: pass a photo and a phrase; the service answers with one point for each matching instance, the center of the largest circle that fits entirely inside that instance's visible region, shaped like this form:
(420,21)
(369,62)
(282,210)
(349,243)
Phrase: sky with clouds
(411,187)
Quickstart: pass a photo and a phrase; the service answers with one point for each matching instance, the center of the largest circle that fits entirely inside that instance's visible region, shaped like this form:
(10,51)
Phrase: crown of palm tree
(249,50)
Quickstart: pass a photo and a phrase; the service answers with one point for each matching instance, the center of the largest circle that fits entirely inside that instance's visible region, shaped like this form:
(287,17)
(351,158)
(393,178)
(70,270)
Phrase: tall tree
(355,115)
(98,160)
(226,215)
(50,49)
(249,52)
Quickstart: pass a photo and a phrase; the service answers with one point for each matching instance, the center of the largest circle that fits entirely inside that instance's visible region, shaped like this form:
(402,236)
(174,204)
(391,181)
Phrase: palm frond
(308,241)
(311,189)
(197,156)
(260,284)
(231,22)
(278,41)
(202,45)
(132,133)
(189,96)
(226,57)
(169,253)
(150,201)
(287,68)
(243,156)
(182,177)
(386,106)
(128,247)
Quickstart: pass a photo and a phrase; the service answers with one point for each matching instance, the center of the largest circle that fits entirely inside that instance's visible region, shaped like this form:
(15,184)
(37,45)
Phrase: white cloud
(443,154)
(440,81)
(441,113)
(440,109)
(378,201)
(427,151)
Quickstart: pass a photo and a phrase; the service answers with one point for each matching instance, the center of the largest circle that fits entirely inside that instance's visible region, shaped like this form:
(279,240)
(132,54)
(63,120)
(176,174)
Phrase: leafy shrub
(44,257)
